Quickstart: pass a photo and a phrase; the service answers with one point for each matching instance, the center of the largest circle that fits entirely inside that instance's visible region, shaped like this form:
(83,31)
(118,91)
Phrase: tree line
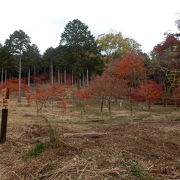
(79,57)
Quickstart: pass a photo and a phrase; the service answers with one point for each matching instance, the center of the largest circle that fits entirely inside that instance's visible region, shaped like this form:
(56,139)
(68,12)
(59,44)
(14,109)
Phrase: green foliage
(78,50)
(31,57)
(76,34)
(53,135)
(5,57)
(18,42)
(36,150)
(49,54)
(53,141)
(113,45)
(136,170)
(135,46)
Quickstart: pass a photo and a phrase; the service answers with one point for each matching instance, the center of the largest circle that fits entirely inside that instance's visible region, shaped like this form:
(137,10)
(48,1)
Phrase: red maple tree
(12,84)
(130,70)
(150,92)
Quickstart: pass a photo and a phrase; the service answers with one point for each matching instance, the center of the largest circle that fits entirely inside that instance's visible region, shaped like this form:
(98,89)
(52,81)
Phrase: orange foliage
(107,85)
(49,93)
(131,67)
(151,91)
(12,84)
(83,94)
(130,70)
(52,92)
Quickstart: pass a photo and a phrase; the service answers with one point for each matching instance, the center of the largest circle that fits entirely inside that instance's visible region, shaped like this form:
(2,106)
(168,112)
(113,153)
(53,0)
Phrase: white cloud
(44,20)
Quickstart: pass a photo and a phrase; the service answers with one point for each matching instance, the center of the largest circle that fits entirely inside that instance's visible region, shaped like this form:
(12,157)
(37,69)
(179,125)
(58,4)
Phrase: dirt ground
(147,148)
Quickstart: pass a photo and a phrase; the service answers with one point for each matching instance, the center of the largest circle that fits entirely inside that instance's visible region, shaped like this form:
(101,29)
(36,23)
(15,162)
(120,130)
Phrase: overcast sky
(44,20)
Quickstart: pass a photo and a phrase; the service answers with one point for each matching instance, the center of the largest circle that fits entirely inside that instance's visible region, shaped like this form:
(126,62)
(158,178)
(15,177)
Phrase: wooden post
(5,94)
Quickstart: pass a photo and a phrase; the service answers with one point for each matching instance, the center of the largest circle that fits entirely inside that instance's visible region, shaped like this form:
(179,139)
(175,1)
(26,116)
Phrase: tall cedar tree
(18,43)
(81,45)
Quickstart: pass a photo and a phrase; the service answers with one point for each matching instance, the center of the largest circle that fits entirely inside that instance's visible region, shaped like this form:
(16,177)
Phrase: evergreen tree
(17,44)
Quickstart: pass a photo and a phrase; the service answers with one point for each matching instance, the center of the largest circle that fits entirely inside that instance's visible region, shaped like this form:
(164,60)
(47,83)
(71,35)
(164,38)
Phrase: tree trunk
(87,76)
(65,76)
(83,79)
(72,78)
(109,108)
(58,77)
(29,76)
(5,76)
(78,84)
(131,108)
(34,74)
(10,76)
(102,104)
(75,81)
(61,77)
(2,74)
(51,73)
(19,88)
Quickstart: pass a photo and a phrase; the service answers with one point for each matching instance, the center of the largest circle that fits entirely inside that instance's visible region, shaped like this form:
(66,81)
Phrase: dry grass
(148,148)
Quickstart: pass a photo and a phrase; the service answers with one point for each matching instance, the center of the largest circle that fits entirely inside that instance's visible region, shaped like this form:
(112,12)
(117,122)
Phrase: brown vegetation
(116,148)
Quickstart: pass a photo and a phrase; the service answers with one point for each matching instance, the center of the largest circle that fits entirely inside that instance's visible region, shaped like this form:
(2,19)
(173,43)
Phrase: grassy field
(90,146)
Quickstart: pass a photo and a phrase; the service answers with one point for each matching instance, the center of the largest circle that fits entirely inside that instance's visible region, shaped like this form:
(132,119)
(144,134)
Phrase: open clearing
(93,148)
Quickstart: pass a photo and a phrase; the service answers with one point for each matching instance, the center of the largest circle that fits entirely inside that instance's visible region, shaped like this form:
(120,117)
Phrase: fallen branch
(89,135)
(97,120)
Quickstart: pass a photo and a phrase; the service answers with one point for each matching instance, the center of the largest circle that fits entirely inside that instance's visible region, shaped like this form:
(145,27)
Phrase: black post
(4,115)
(3,125)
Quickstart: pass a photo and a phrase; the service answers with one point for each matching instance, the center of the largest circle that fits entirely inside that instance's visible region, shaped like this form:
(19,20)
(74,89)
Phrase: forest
(91,108)
(81,60)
